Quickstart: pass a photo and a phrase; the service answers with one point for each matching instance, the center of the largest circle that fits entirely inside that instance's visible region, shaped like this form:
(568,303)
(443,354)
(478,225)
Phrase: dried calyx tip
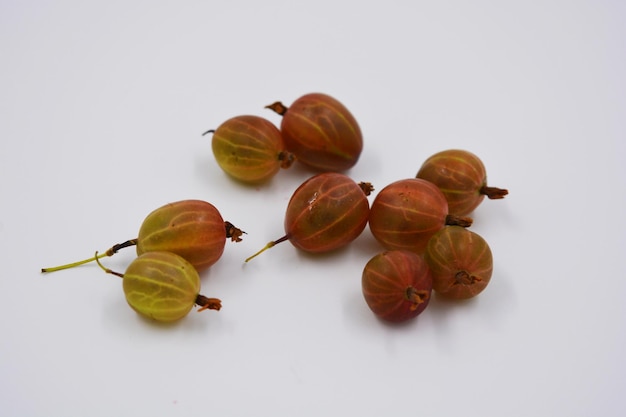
(452,220)
(417,297)
(233,232)
(286,159)
(278,107)
(494,193)
(367,187)
(207,303)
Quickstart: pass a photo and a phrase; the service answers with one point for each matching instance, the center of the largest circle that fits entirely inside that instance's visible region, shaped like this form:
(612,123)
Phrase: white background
(102,106)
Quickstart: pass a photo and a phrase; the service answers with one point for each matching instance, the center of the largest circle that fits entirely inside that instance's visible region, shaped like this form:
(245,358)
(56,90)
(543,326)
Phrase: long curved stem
(107,270)
(110,252)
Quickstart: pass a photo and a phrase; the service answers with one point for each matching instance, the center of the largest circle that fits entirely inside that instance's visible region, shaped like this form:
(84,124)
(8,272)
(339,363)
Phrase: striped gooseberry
(406,213)
(163,286)
(397,285)
(249,148)
(321,132)
(462,178)
(326,212)
(193,229)
(461,262)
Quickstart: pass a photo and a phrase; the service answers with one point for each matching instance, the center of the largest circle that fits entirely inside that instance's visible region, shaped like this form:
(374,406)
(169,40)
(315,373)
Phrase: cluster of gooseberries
(421,223)
(423,226)
(175,243)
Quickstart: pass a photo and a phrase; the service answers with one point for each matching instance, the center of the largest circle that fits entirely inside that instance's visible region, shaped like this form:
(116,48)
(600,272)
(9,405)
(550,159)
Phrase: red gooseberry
(461,262)
(326,212)
(397,285)
(249,148)
(406,213)
(462,178)
(193,229)
(321,132)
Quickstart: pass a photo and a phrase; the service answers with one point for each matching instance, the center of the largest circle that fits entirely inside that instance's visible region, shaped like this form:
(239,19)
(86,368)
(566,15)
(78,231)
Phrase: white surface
(102,108)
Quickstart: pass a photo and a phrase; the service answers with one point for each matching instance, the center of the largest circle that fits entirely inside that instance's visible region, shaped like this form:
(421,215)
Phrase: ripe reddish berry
(249,148)
(321,132)
(462,178)
(461,262)
(193,229)
(406,213)
(397,285)
(325,212)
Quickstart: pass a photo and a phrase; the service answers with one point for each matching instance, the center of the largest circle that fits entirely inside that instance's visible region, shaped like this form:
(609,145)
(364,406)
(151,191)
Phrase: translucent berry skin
(461,262)
(406,213)
(193,229)
(161,285)
(249,148)
(326,212)
(322,133)
(397,285)
(462,178)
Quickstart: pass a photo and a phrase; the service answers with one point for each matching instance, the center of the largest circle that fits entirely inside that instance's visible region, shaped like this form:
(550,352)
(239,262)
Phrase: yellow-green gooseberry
(250,149)
(163,286)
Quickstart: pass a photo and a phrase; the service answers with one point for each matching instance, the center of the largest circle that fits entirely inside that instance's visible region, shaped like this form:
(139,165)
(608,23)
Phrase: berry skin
(397,285)
(321,132)
(462,178)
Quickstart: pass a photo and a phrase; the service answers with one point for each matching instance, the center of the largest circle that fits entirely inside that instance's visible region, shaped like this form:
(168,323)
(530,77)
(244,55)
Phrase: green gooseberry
(163,286)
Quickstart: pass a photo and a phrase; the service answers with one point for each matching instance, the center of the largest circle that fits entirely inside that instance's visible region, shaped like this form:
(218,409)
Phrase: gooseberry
(325,212)
(321,132)
(406,213)
(249,148)
(397,285)
(163,286)
(461,262)
(193,229)
(462,178)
